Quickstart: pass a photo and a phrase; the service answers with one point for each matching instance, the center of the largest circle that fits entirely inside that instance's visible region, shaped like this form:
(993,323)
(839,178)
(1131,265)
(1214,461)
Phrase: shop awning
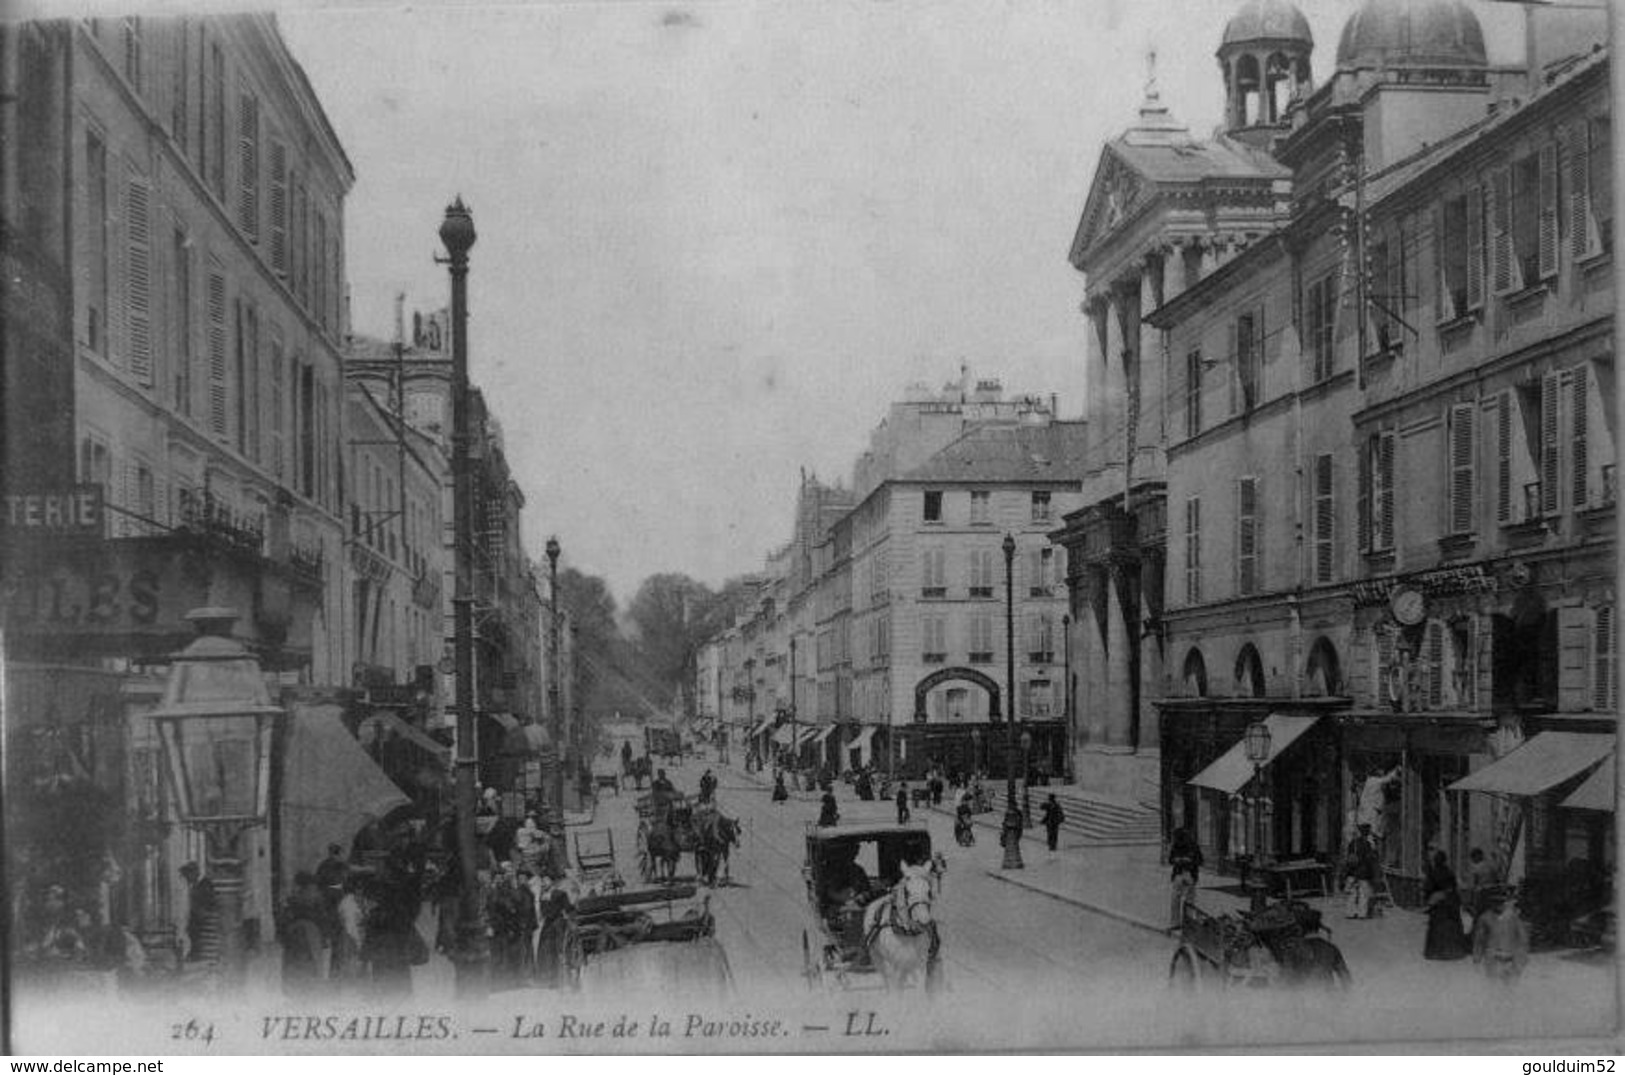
(783,734)
(823,733)
(330,788)
(527,739)
(1597,793)
(1232,771)
(862,739)
(1543,762)
(507,720)
(805,734)
(390,722)
(761,726)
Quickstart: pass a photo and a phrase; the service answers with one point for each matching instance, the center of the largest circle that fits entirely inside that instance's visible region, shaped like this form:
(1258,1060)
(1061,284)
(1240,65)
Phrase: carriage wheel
(811,970)
(1185,971)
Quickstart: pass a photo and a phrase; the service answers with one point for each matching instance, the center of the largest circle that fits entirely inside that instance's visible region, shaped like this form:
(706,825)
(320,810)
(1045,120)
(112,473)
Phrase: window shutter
(1575,641)
(1502,269)
(1602,666)
(1233,365)
(1363,504)
(1475,247)
(1579,459)
(1462,456)
(279,209)
(138,278)
(1503,458)
(1385,491)
(248,164)
(1548,210)
(1323,518)
(1583,237)
(1193,550)
(1435,663)
(1384,661)
(1247,535)
(217,352)
(1550,447)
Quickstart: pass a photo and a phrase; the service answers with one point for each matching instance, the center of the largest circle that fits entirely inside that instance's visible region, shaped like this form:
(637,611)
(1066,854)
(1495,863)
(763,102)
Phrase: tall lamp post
(472,954)
(215,723)
(1258,752)
(1011,833)
(555,711)
(795,747)
(1071,732)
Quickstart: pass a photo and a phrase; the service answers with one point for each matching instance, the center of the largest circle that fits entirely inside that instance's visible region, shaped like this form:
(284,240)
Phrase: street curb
(1108,912)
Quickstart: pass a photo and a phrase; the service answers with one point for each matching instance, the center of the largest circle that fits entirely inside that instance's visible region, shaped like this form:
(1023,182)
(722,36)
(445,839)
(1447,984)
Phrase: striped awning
(783,735)
(1232,771)
(1541,763)
(861,740)
(1597,793)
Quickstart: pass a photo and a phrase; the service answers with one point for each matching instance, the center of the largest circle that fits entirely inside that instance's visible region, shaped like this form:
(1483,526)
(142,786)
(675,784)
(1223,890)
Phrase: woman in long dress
(1445,938)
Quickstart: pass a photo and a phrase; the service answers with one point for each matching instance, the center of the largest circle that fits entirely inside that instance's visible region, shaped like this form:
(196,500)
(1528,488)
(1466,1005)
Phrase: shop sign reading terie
(77,509)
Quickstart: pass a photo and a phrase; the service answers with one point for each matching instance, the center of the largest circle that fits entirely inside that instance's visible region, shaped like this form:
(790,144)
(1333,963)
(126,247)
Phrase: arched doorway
(958,734)
(1323,675)
(1194,674)
(1249,673)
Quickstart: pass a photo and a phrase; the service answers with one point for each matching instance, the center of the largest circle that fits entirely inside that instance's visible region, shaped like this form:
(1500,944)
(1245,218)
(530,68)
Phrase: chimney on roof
(400,317)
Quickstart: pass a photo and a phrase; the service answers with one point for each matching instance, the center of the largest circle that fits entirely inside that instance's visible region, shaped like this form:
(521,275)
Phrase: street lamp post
(215,722)
(472,954)
(795,747)
(1071,732)
(1258,752)
(1011,834)
(555,712)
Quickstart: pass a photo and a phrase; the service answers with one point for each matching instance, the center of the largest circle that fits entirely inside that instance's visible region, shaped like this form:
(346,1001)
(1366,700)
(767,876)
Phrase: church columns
(1120,605)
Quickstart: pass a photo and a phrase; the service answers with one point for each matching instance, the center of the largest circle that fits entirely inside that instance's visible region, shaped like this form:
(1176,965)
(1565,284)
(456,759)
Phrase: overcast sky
(716,238)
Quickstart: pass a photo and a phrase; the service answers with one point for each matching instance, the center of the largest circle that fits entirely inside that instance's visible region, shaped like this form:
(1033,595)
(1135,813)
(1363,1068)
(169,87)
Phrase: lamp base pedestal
(1010,837)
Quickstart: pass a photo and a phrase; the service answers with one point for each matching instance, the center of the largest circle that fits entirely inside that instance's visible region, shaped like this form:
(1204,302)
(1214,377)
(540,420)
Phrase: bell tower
(1265,60)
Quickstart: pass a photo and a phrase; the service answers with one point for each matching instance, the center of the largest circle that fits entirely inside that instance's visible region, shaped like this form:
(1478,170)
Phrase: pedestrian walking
(1500,941)
(829,813)
(1481,874)
(304,931)
(902,804)
(780,794)
(1360,873)
(1445,939)
(1185,858)
(1052,817)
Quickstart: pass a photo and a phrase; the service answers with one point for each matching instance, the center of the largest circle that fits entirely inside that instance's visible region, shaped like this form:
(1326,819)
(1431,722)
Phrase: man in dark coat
(902,804)
(1052,818)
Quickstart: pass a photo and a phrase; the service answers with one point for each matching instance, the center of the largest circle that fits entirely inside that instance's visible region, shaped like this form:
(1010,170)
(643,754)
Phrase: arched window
(1194,674)
(1248,87)
(1249,673)
(1323,674)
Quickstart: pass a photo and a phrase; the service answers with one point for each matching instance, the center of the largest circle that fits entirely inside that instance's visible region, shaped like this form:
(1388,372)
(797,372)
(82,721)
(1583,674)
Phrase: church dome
(1267,20)
(1412,33)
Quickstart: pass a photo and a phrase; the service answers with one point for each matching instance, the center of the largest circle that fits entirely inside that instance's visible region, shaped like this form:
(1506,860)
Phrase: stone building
(1388,461)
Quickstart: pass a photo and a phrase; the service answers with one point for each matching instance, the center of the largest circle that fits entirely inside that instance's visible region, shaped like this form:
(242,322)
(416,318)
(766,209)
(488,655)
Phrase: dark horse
(716,834)
(665,848)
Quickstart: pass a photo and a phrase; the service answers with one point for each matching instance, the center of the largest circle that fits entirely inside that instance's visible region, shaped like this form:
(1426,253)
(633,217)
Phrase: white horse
(900,932)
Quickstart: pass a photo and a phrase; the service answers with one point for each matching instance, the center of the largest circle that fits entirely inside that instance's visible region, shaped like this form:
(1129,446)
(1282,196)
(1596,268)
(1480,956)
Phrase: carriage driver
(846,883)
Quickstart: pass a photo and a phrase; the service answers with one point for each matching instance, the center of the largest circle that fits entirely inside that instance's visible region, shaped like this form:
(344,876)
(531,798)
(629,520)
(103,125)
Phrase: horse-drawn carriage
(670,826)
(604,932)
(1285,943)
(870,890)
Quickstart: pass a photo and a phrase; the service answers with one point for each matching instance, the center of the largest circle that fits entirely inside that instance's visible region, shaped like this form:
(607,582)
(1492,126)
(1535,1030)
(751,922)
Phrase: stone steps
(1090,819)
